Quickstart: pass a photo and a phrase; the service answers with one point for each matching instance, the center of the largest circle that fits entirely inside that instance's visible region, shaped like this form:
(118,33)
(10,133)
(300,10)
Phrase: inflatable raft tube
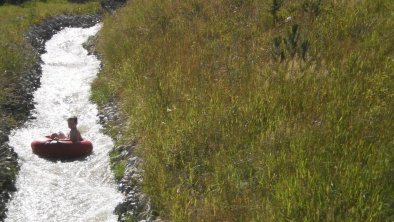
(47,147)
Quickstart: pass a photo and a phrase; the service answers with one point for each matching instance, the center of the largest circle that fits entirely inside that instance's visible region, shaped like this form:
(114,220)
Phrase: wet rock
(8,169)
(121,208)
(123,154)
(132,162)
(3,137)
(90,45)
(135,205)
(112,5)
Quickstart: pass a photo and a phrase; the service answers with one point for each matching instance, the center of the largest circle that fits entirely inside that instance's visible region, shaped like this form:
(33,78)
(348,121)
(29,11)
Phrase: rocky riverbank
(136,205)
(8,170)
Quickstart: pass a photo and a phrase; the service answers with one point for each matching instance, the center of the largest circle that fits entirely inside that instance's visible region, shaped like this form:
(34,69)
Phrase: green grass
(15,55)
(241,116)
(118,164)
(119,169)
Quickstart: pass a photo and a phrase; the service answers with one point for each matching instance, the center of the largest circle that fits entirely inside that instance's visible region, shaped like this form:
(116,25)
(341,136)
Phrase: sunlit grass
(248,112)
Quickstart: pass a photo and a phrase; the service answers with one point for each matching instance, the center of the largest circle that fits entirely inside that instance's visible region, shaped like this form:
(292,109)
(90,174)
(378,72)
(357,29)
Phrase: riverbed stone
(112,5)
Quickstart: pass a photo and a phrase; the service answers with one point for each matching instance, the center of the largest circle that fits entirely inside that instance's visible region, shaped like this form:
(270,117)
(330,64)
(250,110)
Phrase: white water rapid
(81,190)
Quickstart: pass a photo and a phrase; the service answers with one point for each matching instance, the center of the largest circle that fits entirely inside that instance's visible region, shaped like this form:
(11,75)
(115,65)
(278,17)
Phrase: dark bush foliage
(16,2)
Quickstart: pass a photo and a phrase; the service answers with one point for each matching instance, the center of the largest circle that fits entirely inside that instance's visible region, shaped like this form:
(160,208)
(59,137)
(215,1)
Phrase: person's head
(72,122)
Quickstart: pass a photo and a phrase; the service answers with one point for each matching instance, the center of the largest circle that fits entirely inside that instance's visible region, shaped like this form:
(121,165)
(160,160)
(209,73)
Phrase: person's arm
(73,136)
(79,136)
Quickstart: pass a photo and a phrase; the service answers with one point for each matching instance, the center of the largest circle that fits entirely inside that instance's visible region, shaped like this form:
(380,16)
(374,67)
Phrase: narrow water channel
(82,190)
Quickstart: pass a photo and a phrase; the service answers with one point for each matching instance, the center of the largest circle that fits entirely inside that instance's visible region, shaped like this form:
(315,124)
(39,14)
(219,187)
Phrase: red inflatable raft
(47,147)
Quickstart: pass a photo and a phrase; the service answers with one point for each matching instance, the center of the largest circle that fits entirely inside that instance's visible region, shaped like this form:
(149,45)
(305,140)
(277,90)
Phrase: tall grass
(257,110)
(15,55)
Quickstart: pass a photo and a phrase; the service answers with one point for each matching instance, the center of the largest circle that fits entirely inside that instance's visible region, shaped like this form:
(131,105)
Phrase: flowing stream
(81,190)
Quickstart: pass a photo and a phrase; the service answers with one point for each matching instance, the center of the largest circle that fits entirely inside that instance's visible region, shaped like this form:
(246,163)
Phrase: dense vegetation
(256,110)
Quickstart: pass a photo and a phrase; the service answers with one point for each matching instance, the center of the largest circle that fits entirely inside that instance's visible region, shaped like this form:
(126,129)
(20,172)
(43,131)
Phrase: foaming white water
(81,190)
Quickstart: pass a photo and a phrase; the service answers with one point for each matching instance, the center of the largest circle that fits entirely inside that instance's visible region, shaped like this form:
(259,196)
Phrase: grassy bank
(257,110)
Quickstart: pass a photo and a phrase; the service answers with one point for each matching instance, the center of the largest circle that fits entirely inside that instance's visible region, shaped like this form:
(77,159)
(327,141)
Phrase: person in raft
(74,135)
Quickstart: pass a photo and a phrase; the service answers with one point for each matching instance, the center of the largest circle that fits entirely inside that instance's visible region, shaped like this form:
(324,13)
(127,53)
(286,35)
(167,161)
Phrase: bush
(16,2)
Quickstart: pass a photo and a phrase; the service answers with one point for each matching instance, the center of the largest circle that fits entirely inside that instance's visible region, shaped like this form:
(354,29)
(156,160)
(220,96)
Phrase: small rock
(132,161)
(123,154)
